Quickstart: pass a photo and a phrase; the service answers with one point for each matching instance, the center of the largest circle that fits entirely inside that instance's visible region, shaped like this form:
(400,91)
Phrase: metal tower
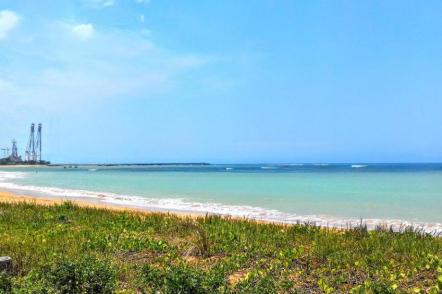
(38,144)
(14,153)
(30,151)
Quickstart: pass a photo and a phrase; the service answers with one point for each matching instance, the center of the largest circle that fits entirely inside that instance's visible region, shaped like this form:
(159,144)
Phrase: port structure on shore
(33,150)
(33,154)
(12,157)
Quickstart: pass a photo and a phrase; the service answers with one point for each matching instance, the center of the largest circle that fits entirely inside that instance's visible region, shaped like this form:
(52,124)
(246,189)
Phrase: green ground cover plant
(69,249)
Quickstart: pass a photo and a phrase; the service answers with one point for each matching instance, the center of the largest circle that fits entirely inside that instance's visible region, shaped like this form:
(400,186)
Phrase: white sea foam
(320,164)
(358,165)
(92,169)
(229,168)
(184,205)
(11,175)
(268,167)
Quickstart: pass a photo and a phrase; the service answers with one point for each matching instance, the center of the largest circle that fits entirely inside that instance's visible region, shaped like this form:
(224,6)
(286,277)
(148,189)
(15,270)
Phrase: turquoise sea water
(327,193)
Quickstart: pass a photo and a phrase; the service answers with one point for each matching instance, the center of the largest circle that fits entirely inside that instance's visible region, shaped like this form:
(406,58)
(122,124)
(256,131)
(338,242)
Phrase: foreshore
(10,197)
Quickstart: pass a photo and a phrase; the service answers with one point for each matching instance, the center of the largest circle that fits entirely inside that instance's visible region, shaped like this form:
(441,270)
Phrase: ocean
(338,195)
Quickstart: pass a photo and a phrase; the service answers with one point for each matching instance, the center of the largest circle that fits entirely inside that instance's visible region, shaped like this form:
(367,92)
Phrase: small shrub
(202,241)
(88,275)
(180,279)
(5,283)
(68,205)
(172,279)
(372,287)
(32,283)
(62,218)
(258,282)
(97,276)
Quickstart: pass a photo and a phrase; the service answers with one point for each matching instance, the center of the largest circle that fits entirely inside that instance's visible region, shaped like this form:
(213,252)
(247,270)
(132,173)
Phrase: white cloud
(83,31)
(142,18)
(119,64)
(99,3)
(8,21)
(142,1)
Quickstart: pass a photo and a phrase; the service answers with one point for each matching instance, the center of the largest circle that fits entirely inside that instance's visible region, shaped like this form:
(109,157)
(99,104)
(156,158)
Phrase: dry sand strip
(9,197)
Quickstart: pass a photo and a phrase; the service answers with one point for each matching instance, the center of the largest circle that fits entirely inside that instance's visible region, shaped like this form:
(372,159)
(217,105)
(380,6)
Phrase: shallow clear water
(411,192)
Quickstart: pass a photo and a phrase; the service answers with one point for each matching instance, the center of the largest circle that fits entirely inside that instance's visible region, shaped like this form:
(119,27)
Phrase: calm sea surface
(290,192)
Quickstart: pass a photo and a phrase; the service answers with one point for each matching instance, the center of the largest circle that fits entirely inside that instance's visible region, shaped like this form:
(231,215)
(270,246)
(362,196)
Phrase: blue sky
(223,81)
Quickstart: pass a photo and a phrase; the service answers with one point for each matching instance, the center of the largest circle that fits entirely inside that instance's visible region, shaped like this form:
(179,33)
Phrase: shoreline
(14,198)
(11,196)
(12,192)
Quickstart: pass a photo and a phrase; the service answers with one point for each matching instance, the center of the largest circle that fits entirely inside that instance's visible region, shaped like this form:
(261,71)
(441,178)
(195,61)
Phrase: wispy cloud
(99,3)
(83,31)
(142,1)
(8,21)
(62,73)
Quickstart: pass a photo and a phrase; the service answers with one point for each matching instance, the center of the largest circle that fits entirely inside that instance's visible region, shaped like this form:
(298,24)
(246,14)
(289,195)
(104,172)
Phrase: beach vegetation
(71,249)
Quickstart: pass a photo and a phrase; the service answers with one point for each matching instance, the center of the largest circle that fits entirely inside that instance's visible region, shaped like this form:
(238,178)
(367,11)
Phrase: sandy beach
(9,197)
